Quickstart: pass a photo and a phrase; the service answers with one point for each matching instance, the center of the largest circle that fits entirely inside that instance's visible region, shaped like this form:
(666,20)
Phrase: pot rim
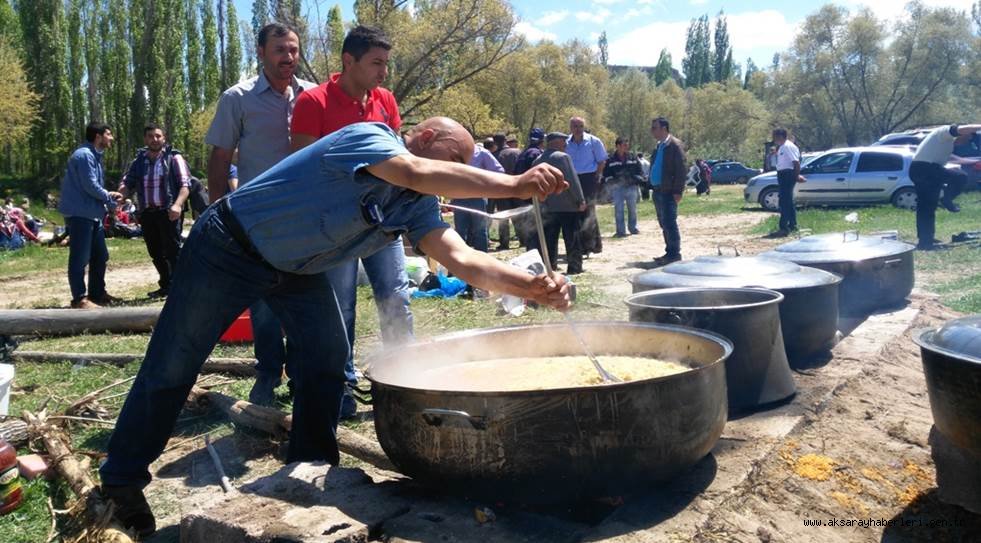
(920,338)
(776,298)
(724,342)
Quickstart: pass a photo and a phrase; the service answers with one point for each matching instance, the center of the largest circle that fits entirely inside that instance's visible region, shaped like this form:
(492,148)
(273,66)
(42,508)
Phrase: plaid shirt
(155,183)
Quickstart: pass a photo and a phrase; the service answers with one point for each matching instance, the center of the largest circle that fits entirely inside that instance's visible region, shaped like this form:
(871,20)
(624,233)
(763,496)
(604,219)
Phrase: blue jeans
(390,284)
(271,353)
(625,193)
(788,211)
(216,279)
(472,228)
(86,247)
(667,217)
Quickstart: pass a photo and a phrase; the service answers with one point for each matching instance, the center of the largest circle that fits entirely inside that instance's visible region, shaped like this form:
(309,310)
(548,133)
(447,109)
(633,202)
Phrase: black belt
(224,210)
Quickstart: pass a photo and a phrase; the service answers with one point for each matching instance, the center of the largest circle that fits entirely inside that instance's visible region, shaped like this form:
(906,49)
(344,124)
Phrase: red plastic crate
(240,331)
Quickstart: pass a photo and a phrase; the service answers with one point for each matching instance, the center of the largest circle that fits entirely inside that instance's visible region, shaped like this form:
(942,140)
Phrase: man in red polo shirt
(349,97)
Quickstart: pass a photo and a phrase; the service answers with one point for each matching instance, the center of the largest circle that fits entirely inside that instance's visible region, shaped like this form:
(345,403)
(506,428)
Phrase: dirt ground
(851,446)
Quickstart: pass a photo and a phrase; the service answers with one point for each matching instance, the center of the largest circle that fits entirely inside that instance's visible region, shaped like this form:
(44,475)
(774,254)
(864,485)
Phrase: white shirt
(936,147)
(787,154)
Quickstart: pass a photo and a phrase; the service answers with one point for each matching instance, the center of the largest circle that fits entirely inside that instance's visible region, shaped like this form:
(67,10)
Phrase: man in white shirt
(929,175)
(788,175)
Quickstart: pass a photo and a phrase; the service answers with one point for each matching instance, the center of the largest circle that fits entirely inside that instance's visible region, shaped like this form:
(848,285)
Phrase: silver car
(847,176)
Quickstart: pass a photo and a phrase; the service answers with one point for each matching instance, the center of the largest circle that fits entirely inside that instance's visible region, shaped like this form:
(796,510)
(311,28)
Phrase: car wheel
(905,198)
(742,180)
(770,199)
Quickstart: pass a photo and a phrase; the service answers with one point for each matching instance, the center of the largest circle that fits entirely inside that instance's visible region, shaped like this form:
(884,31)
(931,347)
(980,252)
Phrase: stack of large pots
(877,272)
(808,313)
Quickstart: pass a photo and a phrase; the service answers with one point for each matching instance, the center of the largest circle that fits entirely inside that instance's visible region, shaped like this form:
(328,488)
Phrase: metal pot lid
(959,337)
(838,247)
(734,272)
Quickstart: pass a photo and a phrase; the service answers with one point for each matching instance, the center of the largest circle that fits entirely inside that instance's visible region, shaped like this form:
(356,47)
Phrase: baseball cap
(536,134)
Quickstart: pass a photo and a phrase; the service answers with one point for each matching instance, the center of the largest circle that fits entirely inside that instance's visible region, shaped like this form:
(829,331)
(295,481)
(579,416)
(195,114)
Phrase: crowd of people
(17,226)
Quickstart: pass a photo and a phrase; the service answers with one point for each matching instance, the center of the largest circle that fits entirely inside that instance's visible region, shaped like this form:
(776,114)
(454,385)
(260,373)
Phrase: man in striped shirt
(161,180)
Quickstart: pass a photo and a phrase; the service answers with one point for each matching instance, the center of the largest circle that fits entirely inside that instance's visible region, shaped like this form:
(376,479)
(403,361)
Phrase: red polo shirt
(327,108)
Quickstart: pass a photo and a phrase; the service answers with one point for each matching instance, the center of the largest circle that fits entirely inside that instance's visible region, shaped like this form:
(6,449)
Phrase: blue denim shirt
(320,207)
(83,192)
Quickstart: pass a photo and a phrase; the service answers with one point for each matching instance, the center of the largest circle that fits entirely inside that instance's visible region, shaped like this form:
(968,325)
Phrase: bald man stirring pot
(342,197)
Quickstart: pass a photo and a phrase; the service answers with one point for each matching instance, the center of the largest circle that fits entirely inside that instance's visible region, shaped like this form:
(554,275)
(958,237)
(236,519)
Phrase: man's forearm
(448,179)
(182,197)
(217,174)
(968,129)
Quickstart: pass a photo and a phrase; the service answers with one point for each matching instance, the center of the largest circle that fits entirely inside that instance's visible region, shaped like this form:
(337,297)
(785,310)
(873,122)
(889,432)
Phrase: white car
(847,176)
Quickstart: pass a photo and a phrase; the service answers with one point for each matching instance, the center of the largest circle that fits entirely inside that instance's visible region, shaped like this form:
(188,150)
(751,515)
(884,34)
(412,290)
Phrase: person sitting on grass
(345,196)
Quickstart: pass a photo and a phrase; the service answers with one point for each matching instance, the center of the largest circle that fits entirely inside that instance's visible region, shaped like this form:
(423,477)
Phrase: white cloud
(550,18)
(532,33)
(606,2)
(597,16)
(748,32)
(699,2)
(638,12)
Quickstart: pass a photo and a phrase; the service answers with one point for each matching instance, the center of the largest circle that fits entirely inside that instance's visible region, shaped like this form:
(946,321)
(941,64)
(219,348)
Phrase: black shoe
(264,390)
(930,247)
(159,293)
(666,259)
(573,271)
(131,509)
(618,235)
(634,232)
(952,207)
(778,234)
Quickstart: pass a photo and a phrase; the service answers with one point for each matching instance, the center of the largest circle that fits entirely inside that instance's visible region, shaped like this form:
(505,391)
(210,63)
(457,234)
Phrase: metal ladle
(605,375)
(499,216)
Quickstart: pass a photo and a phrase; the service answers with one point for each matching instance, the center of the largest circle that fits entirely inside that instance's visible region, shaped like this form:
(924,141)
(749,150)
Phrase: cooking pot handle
(801,232)
(891,262)
(845,234)
(718,248)
(434,417)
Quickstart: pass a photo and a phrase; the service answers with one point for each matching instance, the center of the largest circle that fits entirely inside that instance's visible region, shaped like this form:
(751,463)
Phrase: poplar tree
(94,52)
(76,68)
(604,49)
(260,17)
(143,24)
(9,24)
(697,63)
(195,82)
(722,65)
(209,53)
(174,100)
(42,23)
(663,71)
(233,47)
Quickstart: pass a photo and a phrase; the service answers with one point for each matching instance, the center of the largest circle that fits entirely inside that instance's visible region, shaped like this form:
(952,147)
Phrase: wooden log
(278,423)
(52,322)
(77,476)
(243,367)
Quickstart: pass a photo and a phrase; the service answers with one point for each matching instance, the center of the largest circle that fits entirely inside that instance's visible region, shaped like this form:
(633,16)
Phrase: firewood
(278,423)
(241,367)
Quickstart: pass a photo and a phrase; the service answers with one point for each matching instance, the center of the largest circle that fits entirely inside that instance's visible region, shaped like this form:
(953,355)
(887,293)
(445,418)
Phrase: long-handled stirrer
(607,376)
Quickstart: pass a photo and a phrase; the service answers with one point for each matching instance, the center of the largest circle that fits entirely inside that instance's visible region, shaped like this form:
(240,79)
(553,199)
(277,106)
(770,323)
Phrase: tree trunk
(240,367)
(49,322)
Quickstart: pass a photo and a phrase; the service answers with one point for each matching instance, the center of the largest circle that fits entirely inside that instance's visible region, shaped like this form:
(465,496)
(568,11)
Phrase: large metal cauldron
(757,373)
(952,364)
(877,272)
(551,445)
(808,314)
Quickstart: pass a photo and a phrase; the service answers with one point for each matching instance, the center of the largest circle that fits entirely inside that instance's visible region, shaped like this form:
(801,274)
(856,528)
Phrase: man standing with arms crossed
(352,96)
(788,175)
(667,180)
(84,199)
(161,181)
(254,117)
(589,158)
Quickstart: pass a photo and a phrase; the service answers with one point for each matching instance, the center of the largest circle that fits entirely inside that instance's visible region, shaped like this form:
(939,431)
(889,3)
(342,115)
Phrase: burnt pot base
(958,473)
(551,446)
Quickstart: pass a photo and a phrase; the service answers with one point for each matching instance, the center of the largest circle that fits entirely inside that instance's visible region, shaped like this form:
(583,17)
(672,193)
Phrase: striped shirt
(155,184)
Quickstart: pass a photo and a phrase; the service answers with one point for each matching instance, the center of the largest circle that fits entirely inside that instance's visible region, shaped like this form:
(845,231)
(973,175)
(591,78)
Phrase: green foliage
(233,47)
(631,108)
(209,53)
(18,103)
(195,83)
(604,49)
(697,63)
(664,70)
(722,60)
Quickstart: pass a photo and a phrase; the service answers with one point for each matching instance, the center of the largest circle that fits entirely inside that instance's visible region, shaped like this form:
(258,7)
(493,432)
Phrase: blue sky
(638,29)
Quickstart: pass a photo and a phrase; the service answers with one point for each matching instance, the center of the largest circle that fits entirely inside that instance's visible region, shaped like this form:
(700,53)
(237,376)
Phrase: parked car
(847,176)
(972,149)
(732,172)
